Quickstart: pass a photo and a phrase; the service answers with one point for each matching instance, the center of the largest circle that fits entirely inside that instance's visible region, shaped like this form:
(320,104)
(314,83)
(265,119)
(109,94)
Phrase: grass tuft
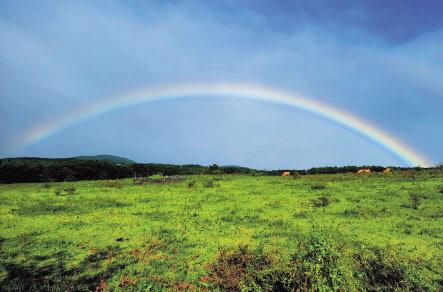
(318,186)
(322,201)
(70,190)
(113,184)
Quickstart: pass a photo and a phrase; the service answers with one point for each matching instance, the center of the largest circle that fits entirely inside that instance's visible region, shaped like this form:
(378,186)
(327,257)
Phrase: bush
(415,200)
(317,265)
(208,183)
(46,185)
(318,186)
(351,213)
(322,201)
(296,175)
(70,190)
(383,270)
(58,192)
(191,184)
(409,174)
(241,270)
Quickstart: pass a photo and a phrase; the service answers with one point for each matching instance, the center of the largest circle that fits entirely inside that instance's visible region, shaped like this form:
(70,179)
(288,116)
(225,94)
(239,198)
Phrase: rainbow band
(235,90)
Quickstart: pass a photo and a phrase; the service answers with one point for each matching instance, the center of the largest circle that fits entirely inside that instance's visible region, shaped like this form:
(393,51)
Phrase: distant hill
(35,169)
(107,158)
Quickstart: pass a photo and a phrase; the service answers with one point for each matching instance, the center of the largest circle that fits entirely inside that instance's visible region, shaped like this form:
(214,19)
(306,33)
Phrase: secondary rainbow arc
(254,92)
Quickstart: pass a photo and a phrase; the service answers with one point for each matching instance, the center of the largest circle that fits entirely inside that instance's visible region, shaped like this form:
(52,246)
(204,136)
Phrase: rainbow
(254,92)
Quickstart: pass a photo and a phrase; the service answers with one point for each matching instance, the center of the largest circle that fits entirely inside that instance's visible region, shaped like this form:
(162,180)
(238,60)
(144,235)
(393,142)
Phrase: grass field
(327,232)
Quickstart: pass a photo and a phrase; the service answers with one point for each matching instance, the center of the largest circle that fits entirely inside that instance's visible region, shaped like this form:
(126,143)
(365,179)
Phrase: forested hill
(107,158)
(32,169)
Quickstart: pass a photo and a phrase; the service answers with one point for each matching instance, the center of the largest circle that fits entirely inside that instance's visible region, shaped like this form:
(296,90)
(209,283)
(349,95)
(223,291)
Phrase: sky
(381,61)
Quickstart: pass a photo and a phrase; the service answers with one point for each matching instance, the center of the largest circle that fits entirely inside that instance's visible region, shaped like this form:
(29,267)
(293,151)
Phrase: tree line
(19,170)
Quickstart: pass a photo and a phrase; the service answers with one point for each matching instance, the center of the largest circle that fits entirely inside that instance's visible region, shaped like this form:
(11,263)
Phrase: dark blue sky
(379,60)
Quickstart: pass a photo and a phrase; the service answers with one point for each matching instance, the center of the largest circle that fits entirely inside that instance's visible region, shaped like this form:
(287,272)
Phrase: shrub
(409,174)
(322,201)
(351,213)
(415,200)
(208,183)
(58,192)
(318,186)
(301,214)
(113,184)
(191,184)
(240,270)
(404,227)
(296,175)
(383,270)
(46,185)
(317,265)
(70,190)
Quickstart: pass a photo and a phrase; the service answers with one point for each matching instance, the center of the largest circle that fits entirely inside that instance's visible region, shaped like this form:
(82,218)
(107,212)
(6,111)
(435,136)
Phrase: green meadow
(379,232)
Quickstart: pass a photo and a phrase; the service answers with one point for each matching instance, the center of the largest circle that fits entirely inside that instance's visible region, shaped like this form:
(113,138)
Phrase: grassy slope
(168,234)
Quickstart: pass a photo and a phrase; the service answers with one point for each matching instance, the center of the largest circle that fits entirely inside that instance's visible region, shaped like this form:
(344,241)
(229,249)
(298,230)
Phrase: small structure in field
(387,170)
(364,170)
(285,173)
